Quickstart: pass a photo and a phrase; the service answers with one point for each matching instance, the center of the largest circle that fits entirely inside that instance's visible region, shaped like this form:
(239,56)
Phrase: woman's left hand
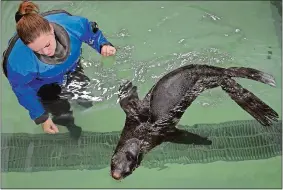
(108,50)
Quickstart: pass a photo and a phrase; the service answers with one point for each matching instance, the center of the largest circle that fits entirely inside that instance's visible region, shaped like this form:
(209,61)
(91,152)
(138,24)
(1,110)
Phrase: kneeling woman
(44,57)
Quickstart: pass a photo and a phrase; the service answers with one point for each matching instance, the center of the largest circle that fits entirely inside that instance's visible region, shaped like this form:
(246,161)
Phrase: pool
(154,38)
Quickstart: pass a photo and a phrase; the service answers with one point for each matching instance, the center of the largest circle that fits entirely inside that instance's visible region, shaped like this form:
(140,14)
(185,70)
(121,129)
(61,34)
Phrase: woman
(43,58)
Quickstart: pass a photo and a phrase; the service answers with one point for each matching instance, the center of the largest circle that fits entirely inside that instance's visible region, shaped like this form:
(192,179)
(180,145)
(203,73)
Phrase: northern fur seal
(151,121)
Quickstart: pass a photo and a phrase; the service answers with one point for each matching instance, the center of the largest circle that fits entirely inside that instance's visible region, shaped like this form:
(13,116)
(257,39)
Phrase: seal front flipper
(128,97)
(131,104)
(180,136)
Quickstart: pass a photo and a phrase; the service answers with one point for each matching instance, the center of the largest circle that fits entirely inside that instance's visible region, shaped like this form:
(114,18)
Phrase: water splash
(211,16)
(105,81)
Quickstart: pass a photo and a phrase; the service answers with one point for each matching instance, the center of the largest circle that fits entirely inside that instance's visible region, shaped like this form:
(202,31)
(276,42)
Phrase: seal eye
(130,156)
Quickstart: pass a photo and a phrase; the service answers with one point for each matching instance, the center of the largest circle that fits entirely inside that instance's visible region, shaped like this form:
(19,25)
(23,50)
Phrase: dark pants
(54,98)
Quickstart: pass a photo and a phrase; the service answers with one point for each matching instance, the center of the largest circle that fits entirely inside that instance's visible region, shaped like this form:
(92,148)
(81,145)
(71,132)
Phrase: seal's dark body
(151,121)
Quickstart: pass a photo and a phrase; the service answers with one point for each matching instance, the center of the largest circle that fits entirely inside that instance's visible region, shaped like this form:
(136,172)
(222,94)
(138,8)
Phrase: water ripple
(105,81)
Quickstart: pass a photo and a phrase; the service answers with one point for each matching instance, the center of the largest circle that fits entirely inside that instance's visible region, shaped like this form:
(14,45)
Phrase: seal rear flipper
(249,102)
(180,136)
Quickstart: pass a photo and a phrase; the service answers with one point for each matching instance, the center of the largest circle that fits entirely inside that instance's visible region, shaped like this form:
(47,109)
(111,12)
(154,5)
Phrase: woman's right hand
(49,127)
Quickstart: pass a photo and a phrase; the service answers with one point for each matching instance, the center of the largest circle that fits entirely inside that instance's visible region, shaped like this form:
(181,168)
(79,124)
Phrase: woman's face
(45,44)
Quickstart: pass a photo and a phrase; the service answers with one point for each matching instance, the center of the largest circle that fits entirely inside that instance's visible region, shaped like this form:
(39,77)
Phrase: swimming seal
(151,121)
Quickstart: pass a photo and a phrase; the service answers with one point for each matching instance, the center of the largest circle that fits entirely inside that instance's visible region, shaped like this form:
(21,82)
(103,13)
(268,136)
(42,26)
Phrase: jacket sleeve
(27,96)
(92,35)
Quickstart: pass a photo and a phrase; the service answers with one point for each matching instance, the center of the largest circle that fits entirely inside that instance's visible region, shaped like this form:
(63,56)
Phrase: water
(152,39)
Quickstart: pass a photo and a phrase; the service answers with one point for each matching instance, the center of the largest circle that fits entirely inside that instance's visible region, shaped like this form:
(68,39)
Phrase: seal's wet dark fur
(151,121)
